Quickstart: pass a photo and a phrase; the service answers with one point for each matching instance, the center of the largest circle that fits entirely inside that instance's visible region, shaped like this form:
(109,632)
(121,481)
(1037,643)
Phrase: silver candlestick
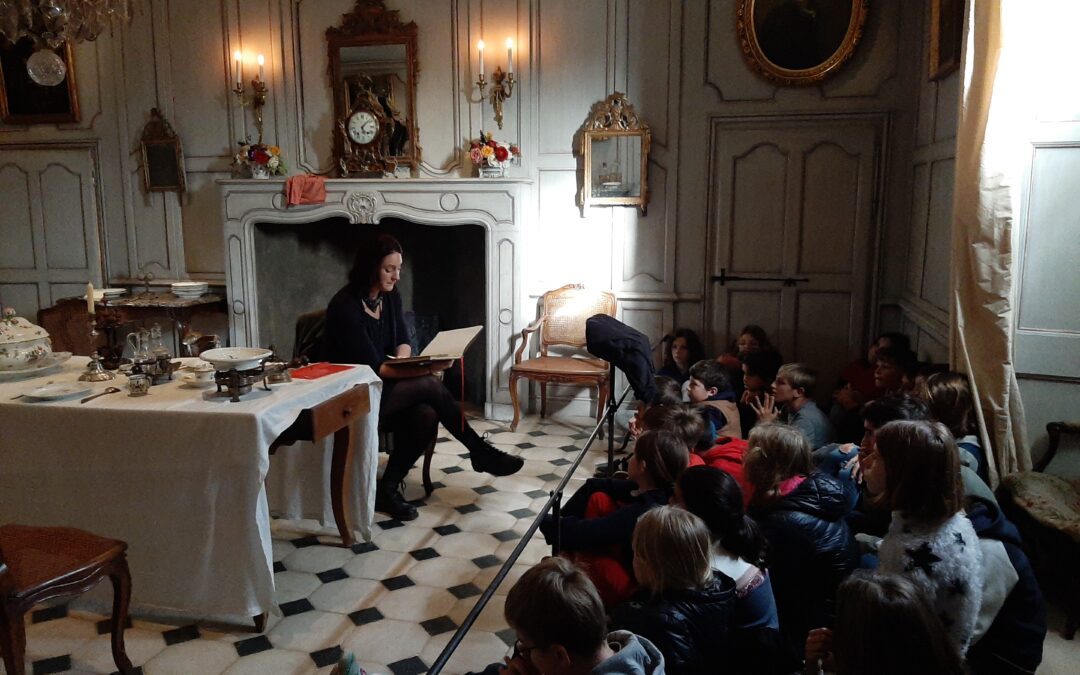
(95,372)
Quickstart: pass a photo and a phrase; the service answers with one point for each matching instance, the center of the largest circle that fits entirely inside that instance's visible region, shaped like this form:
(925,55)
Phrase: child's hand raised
(765,407)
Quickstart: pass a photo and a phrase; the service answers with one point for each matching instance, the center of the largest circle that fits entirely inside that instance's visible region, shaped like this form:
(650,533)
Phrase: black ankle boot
(388,500)
(486,458)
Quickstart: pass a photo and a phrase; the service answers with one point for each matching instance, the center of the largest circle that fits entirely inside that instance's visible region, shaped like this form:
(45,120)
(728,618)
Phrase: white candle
(480,45)
(239,68)
(262,74)
(90,298)
(509,55)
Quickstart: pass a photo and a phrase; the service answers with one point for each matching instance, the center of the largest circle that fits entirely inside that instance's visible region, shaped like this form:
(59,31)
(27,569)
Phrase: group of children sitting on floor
(756,545)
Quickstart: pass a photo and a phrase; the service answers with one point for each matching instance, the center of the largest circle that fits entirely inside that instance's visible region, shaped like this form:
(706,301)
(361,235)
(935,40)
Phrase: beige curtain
(989,156)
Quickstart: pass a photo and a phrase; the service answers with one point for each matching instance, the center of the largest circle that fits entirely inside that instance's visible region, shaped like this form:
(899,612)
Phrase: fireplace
(282,261)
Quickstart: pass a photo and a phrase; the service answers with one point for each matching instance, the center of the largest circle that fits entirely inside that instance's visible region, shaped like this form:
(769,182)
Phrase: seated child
(916,469)
(684,350)
(711,392)
(892,369)
(738,551)
(804,518)
(668,392)
(752,339)
(561,628)
(597,522)
(948,395)
(682,607)
(884,625)
(792,392)
(726,454)
(759,371)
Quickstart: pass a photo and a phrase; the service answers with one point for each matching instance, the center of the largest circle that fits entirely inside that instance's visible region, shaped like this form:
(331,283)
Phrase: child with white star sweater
(944,560)
(915,469)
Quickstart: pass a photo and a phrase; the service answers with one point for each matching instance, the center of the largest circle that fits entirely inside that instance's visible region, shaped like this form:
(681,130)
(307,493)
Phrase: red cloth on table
(614,582)
(305,189)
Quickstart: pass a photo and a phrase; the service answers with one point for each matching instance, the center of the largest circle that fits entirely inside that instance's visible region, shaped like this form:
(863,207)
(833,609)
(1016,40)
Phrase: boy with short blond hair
(790,402)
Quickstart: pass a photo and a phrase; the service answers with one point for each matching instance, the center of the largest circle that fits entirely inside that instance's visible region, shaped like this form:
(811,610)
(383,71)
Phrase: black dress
(411,408)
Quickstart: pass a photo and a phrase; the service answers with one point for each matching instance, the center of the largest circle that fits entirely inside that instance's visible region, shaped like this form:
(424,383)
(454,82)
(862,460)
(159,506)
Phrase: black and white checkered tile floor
(394,602)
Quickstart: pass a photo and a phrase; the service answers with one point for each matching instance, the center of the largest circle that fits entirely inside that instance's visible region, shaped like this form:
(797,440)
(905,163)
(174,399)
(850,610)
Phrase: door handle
(724,277)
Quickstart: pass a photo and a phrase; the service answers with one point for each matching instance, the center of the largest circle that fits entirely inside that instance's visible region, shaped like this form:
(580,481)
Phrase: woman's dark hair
(715,497)
(365,269)
(896,340)
(665,456)
(884,625)
(951,403)
(922,470)
(693,345)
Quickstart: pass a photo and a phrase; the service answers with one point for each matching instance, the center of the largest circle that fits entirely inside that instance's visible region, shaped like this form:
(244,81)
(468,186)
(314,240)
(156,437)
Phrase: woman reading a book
(365,324)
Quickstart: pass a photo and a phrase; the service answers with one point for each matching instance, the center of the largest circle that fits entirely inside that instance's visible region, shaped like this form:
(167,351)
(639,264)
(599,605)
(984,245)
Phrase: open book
(446,346)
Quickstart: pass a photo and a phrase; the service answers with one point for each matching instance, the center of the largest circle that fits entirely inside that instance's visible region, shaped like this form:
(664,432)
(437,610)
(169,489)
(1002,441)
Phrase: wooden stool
(40,563)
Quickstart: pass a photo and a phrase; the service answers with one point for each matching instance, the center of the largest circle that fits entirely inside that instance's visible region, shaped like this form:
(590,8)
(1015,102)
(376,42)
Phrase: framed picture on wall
(946,36)
(23,101)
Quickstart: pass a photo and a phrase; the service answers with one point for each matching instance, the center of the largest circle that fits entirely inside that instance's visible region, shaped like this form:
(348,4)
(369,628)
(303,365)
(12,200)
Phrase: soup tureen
(22,344)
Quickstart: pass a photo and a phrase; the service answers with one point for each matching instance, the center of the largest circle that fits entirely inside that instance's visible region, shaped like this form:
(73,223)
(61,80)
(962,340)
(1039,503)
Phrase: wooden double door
(792,226)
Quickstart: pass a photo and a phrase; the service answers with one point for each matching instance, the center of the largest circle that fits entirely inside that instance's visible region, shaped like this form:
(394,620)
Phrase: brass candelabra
(502,88)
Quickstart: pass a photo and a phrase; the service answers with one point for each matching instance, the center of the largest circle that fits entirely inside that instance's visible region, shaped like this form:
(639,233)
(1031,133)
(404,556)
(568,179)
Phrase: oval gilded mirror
(799,42)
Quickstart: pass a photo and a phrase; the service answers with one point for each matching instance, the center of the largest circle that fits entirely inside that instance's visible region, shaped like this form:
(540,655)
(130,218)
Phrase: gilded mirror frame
(370,23)
(614,118)
(751,47)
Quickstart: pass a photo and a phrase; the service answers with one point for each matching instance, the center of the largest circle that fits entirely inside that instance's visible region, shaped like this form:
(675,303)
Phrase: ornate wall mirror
(615,149)
(799,42)
(162,156)
(373,60)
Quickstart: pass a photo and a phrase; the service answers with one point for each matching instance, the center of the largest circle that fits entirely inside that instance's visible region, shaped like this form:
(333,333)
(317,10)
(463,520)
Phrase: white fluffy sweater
(944,560)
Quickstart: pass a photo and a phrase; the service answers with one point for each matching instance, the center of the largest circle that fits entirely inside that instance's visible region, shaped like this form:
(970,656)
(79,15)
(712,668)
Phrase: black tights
(412,409)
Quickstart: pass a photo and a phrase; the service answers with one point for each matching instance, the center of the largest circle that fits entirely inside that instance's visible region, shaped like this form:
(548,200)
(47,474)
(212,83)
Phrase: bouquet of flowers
(258,160)
(486,151)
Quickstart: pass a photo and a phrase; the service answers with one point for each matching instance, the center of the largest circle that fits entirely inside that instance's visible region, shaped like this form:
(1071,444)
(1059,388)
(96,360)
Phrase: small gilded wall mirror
(162,156)
(799,42)
(615,149)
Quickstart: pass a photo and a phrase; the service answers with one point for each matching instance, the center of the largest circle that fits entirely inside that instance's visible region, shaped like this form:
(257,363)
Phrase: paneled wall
(921,309)
(677,61)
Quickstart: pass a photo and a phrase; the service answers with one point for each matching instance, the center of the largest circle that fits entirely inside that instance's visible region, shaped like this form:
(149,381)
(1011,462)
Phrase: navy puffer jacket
(810,551)
(690,628)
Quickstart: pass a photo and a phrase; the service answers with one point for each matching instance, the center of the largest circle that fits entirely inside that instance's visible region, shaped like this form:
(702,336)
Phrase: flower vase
(491,172)
(260,171)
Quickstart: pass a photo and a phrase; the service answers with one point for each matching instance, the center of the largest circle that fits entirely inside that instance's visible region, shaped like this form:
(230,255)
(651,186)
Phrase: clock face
(363,127)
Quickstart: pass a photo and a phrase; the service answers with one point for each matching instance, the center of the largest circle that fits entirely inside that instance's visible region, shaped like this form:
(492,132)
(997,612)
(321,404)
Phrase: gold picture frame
(799,42)
(23,101)
(946,37)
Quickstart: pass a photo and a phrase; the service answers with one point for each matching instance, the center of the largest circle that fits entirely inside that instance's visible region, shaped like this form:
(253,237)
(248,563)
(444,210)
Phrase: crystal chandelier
(51,23)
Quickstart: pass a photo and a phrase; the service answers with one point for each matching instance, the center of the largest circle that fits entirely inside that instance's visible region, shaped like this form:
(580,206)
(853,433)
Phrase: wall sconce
(258,90)
(502,84)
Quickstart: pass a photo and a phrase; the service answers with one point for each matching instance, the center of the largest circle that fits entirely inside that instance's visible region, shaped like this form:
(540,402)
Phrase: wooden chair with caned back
(41,563)
(563,312)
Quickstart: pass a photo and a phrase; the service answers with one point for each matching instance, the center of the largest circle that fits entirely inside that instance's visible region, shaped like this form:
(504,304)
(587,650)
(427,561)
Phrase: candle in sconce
(480,46)
(262,74)
(90,298)
(509,55)
(239,68)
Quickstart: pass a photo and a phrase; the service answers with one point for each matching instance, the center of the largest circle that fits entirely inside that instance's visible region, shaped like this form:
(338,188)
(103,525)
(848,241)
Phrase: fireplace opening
(443,282)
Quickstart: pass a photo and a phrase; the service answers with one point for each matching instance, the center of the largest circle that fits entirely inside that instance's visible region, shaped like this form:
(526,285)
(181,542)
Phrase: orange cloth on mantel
(305,189)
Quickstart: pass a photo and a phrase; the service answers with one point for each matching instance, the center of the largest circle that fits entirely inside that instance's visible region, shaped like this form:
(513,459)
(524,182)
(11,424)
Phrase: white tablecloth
(181,478)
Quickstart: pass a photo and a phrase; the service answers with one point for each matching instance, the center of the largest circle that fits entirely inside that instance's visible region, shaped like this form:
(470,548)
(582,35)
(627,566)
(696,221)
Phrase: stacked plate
(189,289)
(108,293)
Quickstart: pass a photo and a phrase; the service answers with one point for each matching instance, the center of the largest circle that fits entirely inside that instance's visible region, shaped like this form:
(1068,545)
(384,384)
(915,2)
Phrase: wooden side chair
(66,324)
(1046,510)
(562,323)
(41,563)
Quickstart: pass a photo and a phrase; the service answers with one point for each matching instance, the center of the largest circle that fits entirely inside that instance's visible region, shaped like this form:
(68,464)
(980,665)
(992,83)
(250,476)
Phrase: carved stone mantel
(495,204)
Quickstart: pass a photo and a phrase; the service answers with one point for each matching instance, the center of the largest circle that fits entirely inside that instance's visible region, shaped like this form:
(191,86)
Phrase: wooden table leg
(338,483)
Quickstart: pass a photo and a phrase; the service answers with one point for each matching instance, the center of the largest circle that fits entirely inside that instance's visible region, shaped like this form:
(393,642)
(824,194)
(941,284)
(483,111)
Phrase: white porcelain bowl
(240,358)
